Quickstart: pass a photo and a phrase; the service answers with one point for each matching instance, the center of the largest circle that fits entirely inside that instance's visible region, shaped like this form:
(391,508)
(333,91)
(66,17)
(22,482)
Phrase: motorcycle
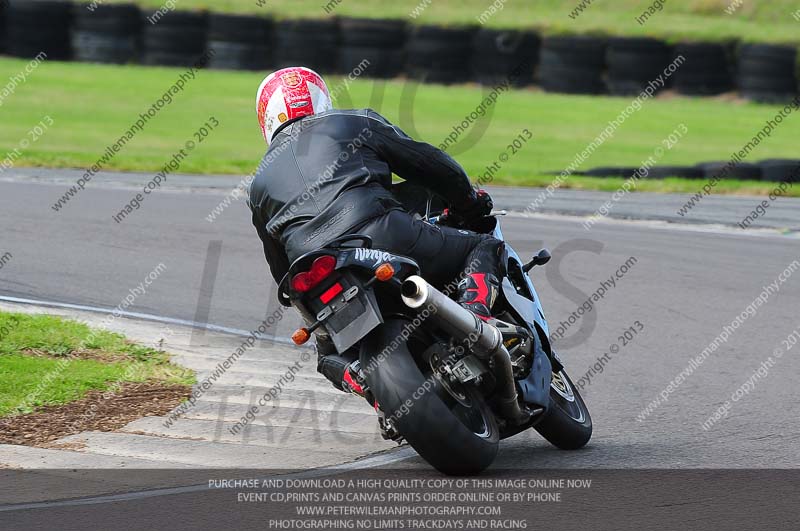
(444,380)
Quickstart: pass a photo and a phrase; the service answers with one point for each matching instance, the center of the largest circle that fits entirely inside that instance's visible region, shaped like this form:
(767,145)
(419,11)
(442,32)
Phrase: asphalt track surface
(685,284)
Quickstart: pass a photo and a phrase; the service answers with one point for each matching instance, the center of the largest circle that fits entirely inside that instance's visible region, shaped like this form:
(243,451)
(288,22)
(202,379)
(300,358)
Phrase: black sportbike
(447,382)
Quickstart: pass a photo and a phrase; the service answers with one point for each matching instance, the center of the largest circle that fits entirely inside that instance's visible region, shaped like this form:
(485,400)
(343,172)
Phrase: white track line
(144,316)
(368,462)
(713,228)
(379,460)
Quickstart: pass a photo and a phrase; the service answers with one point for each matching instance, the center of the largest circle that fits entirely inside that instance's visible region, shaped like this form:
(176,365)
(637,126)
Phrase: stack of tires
(3,5)
(767,73)
(439,55)
(311,43)
(686,172)
(499,56)
(106,34)
(780,170)
(173,38)
(573,65)
(373,47)
(775,170)
(634,63)
(36,26)
(609,171)
(706,69)
(239,42)
(742,171)
(121,33)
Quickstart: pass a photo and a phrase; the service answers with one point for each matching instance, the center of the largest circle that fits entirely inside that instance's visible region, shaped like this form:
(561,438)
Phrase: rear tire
(433,428)
(567,424)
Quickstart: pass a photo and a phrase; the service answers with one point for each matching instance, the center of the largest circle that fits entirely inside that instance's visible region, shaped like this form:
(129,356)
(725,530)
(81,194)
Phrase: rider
(328,172)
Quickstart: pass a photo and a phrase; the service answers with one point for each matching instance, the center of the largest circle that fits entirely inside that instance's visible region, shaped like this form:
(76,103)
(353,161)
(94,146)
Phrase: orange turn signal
(300,336)
(384,272)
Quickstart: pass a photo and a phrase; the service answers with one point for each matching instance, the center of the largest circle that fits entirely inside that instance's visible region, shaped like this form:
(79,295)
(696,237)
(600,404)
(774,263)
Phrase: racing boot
(354,381)
(479,289)
(344,372)
(477,293)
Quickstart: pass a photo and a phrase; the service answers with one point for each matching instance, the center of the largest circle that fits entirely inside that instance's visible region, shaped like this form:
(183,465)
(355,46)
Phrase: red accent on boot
(481,290)
(354,385)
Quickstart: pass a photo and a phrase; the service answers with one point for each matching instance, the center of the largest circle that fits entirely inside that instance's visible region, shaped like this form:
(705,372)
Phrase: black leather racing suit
(330,174)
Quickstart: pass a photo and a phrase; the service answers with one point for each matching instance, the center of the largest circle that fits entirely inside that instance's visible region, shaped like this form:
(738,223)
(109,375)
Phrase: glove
(478,207)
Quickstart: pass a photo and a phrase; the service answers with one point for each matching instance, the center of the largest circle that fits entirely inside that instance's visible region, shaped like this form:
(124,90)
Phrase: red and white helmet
(288,94)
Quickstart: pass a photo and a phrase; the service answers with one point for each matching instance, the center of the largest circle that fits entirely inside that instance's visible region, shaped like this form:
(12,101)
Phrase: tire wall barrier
(439,55)
(240,43)
(108,34)
(40,26)
(574,65)
(3,6)
(770,170)
(633,63)
(767,73)
(381,43)
(707,70)
(311,43)
(175,38)
(499,55)
(123,33)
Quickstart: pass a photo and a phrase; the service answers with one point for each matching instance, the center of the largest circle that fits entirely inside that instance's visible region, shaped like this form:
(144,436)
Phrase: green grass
(760,20)
(33,349)
(92,105)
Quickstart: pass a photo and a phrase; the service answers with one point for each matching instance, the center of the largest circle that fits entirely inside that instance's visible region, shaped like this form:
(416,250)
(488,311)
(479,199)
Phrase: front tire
(457,437)
(567,423)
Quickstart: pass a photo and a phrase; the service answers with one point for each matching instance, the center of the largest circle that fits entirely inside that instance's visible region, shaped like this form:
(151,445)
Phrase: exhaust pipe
(485,340)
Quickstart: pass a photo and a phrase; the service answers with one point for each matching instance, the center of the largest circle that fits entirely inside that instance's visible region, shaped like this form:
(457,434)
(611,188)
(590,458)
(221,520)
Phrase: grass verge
(46,360)
(95,104)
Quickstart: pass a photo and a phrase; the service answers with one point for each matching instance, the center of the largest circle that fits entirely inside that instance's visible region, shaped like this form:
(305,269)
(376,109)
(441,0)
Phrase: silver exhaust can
(461,323)
(485,341)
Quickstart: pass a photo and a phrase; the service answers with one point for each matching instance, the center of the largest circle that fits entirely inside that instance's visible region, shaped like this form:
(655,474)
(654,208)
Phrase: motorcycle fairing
(536,387)
(370,259)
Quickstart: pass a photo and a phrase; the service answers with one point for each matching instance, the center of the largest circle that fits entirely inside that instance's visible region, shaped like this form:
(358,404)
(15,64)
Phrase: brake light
(320,270)
(328,295)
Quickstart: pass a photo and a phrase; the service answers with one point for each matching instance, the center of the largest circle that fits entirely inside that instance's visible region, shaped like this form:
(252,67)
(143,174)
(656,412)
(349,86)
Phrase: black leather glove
(480,206)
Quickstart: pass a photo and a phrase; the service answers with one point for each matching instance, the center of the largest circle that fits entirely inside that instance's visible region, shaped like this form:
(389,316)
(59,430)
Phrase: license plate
(350,317)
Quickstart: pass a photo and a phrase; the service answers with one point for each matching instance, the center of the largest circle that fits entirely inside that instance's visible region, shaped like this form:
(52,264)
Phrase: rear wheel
(449,425)
(567,424)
